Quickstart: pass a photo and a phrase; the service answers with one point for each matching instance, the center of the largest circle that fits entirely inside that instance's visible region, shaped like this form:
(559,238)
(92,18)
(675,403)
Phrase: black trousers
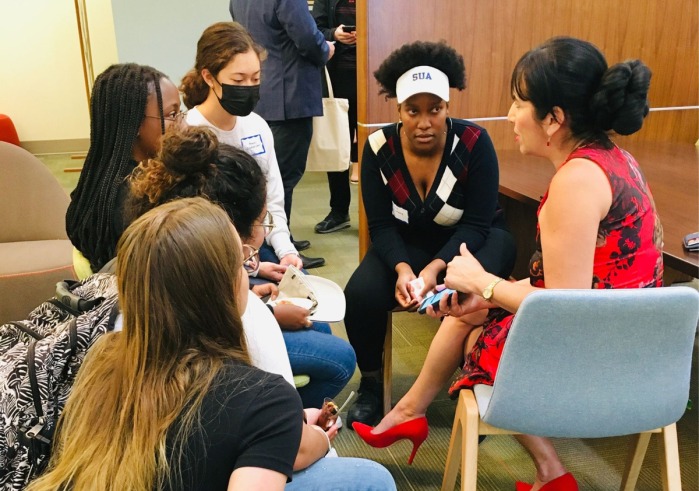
(292,138)
(345,87)
(370,293)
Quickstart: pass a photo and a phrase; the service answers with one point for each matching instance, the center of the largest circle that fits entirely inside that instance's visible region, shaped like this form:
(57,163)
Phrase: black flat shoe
(312,262)
(369,405)
(301,245)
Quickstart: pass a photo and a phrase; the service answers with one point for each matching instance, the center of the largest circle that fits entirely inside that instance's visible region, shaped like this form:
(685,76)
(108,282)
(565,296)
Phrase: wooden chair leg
(670,459)
(388,365)
(463,445)
(469,466)
(634,461)
(451,469)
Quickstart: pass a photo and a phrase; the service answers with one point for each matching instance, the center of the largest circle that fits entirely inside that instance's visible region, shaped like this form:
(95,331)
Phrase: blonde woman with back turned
(176,385)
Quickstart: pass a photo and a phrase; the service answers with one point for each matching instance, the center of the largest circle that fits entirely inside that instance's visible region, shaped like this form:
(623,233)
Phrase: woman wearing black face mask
(221,92)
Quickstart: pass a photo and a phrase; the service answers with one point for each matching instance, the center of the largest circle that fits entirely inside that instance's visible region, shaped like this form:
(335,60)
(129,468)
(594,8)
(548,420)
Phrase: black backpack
(39,359)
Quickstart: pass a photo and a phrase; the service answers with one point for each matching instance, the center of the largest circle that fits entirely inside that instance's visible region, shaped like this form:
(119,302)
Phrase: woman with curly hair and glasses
(172,402)
(193,162)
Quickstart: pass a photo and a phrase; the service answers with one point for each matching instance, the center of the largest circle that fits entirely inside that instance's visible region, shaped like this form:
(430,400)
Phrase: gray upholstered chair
(587,364)
(35,252)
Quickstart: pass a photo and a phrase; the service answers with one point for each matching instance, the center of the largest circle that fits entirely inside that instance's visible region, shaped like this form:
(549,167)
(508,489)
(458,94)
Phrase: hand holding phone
(349,28)
(434,300)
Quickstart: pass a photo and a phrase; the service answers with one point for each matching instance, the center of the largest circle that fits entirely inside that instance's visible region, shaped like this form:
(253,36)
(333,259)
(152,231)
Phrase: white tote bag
(330,145)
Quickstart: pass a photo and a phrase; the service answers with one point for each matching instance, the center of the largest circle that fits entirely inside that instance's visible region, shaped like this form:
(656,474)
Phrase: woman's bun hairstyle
(192,162)
(438,55)
(621,102)
(194,89)
(190,150)
(572,74)
(186,160)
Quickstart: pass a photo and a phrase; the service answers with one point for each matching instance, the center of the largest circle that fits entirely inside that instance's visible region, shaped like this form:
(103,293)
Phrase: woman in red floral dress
(597,224)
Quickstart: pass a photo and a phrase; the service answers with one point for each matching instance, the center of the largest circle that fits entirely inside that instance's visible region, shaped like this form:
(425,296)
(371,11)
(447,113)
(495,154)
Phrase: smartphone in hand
(349,28)
(434,300)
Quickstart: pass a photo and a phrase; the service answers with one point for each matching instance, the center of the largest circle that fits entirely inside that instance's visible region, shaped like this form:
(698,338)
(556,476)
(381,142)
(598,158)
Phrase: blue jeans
(267,254)
(343,474)
(328,360)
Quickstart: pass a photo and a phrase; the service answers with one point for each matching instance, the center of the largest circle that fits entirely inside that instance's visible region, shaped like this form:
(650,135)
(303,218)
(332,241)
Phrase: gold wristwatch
(488,292)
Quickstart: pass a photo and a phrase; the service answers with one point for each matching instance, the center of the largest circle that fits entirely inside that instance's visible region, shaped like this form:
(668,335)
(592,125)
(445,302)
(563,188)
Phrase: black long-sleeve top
(461,206)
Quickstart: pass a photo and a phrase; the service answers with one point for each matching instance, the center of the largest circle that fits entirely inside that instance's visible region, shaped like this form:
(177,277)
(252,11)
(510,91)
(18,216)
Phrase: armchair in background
(35,252)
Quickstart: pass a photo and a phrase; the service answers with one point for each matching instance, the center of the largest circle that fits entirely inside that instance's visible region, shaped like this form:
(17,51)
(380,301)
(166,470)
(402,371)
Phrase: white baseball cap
(422,79)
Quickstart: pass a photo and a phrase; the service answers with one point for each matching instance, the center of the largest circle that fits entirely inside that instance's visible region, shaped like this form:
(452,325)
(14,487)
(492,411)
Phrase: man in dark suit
(291,87)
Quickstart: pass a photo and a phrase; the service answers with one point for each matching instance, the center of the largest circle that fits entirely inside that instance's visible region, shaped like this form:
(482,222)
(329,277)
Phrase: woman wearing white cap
(429,184)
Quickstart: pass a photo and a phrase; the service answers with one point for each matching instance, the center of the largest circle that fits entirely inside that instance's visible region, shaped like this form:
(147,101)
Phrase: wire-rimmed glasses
(251,261)
(174,116)
(267,223)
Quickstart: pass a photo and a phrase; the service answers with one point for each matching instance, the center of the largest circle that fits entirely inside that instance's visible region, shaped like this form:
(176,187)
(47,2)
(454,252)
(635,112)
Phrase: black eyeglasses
(251,263)
(174,116)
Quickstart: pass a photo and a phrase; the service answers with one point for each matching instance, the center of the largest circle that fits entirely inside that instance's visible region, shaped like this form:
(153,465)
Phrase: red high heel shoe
(566,482)
(415,430)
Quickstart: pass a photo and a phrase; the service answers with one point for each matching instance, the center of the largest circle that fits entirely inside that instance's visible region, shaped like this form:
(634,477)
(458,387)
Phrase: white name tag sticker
(400,213)
(253,145)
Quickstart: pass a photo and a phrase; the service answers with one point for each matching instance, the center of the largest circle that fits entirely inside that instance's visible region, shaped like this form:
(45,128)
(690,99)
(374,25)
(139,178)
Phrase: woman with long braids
(130,108)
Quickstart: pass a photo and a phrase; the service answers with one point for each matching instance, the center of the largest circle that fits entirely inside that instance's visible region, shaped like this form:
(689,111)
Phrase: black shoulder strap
(33,381)
(27,330)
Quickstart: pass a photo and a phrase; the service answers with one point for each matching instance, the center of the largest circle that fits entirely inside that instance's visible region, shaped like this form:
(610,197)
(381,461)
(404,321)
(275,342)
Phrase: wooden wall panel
(661,126)
(493,34)
(365,94)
